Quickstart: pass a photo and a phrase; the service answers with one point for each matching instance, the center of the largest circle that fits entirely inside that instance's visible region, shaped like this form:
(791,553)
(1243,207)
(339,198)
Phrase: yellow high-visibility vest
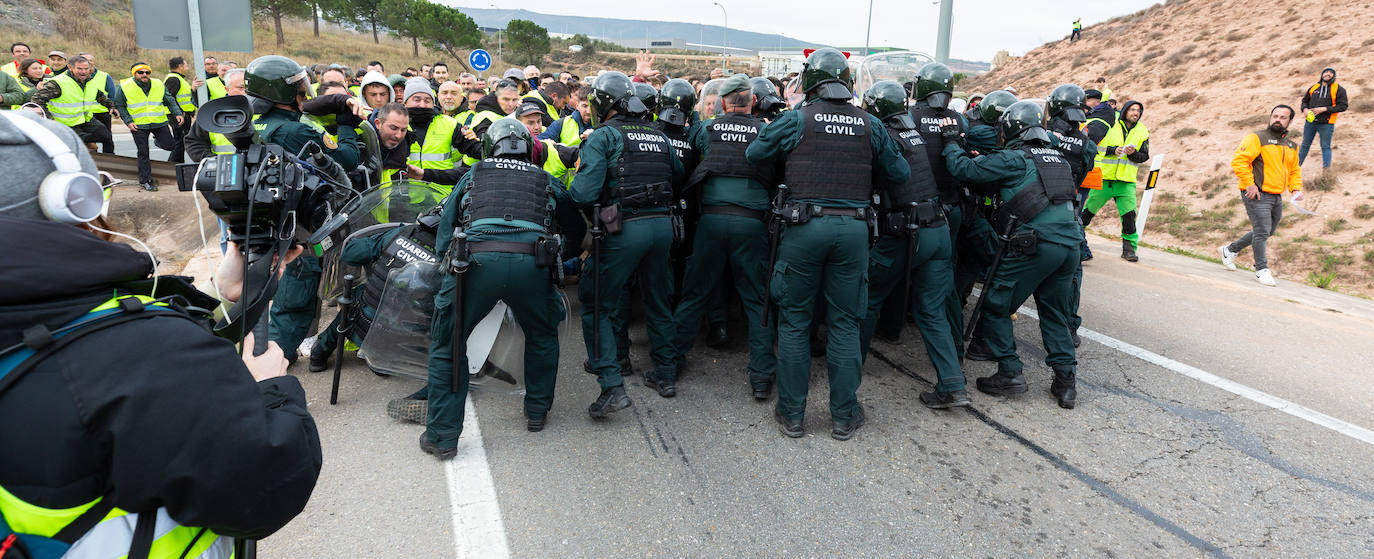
(145,108)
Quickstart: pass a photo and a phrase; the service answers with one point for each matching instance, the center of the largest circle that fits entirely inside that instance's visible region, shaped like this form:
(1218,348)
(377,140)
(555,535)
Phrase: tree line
(438,27)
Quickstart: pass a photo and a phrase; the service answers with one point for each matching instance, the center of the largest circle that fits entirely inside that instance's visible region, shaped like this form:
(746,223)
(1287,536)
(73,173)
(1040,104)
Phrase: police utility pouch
(679,229)
(610,219)
(1024,242)
(547,251)
(795,213)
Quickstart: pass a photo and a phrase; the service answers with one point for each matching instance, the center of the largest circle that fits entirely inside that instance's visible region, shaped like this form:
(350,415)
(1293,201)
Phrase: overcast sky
(981,27)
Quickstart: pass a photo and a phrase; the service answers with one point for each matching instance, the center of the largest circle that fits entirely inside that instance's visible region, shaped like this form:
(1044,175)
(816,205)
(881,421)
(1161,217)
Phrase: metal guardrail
(124,167)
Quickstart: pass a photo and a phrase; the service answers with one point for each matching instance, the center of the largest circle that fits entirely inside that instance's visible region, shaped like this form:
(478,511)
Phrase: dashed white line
(478,531)
(1296,410)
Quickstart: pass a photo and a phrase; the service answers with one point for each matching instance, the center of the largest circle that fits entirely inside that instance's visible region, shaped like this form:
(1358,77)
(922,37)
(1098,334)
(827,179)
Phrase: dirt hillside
(1208,72)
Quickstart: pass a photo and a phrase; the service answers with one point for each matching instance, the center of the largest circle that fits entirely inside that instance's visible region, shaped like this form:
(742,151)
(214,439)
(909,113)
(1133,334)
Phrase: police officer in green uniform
(1036,189)
(1065,107)
(914,243)
(832,153)
(734,198)
(932,91)
(977,242)
(278,86)
(500,218)
(630,170)
(768,103)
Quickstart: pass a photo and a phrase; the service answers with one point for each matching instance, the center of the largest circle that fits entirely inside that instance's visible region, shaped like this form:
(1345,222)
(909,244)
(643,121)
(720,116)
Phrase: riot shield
(369,154)
(708,103)
(502,344)
(900,66)
(398,341)
(396,203)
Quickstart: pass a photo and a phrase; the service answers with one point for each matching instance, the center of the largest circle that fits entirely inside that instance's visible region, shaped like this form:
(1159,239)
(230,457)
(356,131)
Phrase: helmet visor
(673,116)
(939,99)
(1075,114)
(635,106)
(511,146)
(834,91)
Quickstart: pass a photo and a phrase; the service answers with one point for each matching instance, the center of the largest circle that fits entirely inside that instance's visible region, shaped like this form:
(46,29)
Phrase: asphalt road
(1151,463)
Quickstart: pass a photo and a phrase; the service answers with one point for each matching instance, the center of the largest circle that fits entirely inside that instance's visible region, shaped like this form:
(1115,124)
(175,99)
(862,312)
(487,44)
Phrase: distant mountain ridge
(636,29)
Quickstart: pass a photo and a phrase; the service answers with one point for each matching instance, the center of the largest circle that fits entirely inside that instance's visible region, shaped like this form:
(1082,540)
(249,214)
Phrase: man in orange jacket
(1267,165)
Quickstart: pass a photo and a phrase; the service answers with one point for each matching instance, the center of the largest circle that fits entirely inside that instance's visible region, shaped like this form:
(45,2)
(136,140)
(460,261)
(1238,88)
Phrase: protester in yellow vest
(183,89)
(69,97)
(436,141)
(144,103)
(1126,144)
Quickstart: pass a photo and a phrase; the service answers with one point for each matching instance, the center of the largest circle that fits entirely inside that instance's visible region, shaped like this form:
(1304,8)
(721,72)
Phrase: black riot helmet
(826,75)
(508,138)
(992,106)
(613,90)
(767,102)
(935,85)
(1024,121)
(676,101)
(1066,102)
(887,101)
(647,96)
(276,78)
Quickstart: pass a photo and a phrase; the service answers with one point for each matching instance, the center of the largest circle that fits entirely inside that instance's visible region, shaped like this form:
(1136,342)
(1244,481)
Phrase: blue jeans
(1311,129)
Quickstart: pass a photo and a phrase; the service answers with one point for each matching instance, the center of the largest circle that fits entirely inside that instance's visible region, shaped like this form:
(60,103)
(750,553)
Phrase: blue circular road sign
(480,60)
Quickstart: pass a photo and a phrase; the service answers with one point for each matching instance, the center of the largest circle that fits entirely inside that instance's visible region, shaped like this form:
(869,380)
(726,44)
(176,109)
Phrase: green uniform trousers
(1124,195)
(742,244)
(492,277)
(827,257)
(1048,275)
(640,248)
(932,281)
(295,305)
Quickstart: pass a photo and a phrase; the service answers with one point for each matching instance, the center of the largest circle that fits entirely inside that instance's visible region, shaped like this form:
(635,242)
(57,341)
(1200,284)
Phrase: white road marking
(477,527)
(1296,410)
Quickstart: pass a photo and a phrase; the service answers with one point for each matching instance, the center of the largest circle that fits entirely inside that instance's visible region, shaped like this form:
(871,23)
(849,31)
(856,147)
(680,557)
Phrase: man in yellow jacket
(1267,165)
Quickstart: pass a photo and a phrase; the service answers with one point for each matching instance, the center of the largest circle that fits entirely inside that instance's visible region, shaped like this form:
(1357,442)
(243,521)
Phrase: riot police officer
(768,103)
(497,243)
(914,248)
(831,153)
(628,176)
(1065,107)
(1035,218)
(278,86)
(733,197)
(977,241)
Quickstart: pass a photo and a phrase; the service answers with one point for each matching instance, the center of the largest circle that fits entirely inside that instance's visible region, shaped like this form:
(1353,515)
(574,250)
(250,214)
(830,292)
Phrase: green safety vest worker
(145,108)
(571,132)
(216,88)
(474,120)
(22,87)
(185,96)
(1077,25)
(437,151)
(553,164)
(111,528)
(102,81)
(1117,167)
(537,96)
(72,108)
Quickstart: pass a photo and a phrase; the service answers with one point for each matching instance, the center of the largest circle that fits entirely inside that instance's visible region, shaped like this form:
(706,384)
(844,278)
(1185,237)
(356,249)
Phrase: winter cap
(415,85)
(19,183)
(58,54)
(736,82)
(1092,94)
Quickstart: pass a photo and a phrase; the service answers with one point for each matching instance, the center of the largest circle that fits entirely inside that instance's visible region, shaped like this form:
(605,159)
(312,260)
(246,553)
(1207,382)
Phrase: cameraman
(278,87)
(154,416)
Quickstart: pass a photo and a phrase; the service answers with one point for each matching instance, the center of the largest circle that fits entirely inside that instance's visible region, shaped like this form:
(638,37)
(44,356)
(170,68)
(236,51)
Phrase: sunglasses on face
(142,73)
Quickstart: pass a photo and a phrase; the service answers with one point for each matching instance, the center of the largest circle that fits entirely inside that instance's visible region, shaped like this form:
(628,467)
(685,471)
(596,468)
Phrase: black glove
(347,118)
(952,135)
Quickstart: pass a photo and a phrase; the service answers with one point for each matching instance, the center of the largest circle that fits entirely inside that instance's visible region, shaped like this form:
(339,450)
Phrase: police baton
(345,327)
(1003,241)
(597,234)
(458,266)
(774,236)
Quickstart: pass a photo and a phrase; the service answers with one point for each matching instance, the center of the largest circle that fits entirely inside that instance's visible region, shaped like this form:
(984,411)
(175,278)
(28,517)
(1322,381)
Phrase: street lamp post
(724,41)
(869,32)
(498,37)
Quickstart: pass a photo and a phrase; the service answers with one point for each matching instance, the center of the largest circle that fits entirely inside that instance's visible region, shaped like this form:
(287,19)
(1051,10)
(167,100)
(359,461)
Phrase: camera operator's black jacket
(149,413)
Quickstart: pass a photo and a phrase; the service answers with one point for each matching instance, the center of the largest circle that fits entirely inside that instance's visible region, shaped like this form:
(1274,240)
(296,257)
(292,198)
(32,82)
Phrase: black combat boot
(941,400)
(440,453)
(1128,251)
(319,359)
(612,399)
(718,338)
(844,430)
(1063,390)
(1001,385)
(791,427)
(664,387)
(978,350)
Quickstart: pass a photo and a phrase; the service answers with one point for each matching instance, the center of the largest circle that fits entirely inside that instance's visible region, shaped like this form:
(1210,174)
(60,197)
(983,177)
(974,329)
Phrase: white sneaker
(1228,258)
(1265,278)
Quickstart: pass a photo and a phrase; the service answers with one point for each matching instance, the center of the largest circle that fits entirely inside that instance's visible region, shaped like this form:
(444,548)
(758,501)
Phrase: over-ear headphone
(68,194)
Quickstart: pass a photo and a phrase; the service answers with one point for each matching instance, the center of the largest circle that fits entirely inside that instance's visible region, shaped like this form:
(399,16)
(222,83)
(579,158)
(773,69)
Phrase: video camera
(269,199)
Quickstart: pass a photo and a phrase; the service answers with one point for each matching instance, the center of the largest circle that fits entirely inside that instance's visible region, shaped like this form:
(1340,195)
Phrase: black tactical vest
(1055,186)
(508,189)
(930,121)
(677,137)
(729,136)
(921,186)
(1072,142)
(834,158)
(413,243)
(645,167)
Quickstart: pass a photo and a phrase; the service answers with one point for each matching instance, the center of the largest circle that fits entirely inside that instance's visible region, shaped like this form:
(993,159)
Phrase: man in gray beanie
(437,140)
(110,430)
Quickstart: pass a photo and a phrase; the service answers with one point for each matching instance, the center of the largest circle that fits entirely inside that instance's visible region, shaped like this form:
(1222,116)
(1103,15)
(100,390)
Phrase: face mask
(421,116)
(1278,129)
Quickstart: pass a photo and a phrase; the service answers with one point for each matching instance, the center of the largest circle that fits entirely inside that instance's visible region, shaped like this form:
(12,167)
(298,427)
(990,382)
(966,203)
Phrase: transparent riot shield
(708,103)
(398,341)
(502,344)
(900,66)
(394,203)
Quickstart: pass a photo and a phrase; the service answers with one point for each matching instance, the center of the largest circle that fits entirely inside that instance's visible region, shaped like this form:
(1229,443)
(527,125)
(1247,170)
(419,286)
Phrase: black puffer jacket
(151,413)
